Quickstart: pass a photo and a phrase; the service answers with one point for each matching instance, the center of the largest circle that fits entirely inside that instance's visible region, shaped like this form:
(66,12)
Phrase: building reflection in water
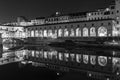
(96,63)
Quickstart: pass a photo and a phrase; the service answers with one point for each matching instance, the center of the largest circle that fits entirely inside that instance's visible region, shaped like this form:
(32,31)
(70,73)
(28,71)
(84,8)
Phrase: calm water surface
(56,63)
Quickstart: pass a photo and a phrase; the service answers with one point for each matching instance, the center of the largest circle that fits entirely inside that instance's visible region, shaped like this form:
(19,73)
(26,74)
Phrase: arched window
(93,60)
(72,57)
(45,33)
(33,53)
(45,54)
(28,34)
(92,32)
(78,32)
(85,59)
(50,33)
(41,33)
(36,33)
(72,33)
(102,32)
(102,60)
(78,58)
(66,56)
(85,32)
(60,56)
(60,33)
(32,33)
(66,32)
(55,34)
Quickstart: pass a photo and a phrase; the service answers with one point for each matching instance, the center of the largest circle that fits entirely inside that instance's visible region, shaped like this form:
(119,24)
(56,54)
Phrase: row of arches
(85,32)
(70,57)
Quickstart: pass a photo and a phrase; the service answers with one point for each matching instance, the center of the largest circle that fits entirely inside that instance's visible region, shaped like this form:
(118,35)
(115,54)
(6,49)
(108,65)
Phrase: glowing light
(89,14)
(107,9)
(108,79)
(58,73)
(90,75)
(117,73)
(57,13)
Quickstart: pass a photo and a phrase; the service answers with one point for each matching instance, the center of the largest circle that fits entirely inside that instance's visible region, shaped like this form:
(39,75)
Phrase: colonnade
(85,32)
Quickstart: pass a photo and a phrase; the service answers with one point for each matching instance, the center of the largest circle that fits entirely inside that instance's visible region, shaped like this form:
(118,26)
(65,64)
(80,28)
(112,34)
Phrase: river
(59,63)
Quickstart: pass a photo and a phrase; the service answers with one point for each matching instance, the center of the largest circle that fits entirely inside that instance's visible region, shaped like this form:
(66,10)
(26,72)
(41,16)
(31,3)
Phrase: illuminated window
(45,54)
(41,54)
(102,60)
(33,53)
(72,33)
(37,54)
(78,58)
(36,33)
(116,61)
(50,55)
(85,32)
(55,34)
(85,59)
(45,33)
(78,32)
(72,57)
(60,33)
(66,33)
(60,56)
(41,33)
(66,56)
(50,33)
(102,32)
(28,34)
(93,60)
(54,54)
(92,32)
(32,33)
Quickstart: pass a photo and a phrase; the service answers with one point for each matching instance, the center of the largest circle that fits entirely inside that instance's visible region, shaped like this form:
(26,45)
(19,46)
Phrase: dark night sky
(10,9)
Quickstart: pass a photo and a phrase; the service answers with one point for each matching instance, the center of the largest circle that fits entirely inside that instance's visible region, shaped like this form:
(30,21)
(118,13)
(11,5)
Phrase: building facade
(12,31)
(94,24)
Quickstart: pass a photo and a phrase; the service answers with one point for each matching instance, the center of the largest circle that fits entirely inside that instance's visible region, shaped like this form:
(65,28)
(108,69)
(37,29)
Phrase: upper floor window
(107,13)
(112,12)
(117,11)
(109,24)
(112,7)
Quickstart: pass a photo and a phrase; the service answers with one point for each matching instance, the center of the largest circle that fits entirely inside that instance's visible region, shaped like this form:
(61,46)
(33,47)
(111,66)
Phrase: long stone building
(102,23)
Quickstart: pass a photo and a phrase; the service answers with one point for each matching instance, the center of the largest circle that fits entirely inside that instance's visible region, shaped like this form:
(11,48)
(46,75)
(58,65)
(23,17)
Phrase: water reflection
(96,63)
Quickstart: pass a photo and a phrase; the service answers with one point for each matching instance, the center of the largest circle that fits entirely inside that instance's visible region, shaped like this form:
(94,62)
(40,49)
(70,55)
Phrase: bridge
(12,40)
